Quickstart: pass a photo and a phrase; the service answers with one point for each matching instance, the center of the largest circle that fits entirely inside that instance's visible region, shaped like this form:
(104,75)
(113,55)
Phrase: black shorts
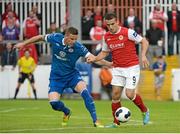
(23,76)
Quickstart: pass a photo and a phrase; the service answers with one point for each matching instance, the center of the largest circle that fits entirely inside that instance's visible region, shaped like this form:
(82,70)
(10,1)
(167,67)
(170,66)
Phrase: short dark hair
(110,16)
(71,30)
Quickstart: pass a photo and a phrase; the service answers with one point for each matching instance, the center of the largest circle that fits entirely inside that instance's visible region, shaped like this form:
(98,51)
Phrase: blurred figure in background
(8,9)
(97,15)
(159,16)
(159,68)
(35,11)
(10,17)
(9,57)
(106,77)
(134,23)
(173,25)
(96,34)
(27,66)
(155,37)
(53,28)
(87,23)
(31,28)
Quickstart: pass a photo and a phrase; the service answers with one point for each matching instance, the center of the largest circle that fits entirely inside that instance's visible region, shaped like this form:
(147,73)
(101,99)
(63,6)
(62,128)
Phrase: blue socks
(89,104)
(59,106)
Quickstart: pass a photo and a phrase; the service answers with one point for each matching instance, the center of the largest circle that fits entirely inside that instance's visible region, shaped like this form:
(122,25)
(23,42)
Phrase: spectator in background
(9,57)
(159,68)
(35,11)
(8,9)
(87,23)
(106,77)
(110,9)
(53,28)
(155,37)
(97,15)
(159,16)
(10,17)
(10,31)
(26,68)
(30,25)
(31,28)
(97,33)
(173,25)
(63,28)
(134,23)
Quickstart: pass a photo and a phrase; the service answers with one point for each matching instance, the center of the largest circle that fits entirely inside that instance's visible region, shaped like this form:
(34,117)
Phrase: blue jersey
(158,65)
(64,57)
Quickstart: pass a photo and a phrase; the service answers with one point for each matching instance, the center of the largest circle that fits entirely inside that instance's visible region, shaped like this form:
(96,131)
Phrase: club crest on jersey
(62,54)
(71,50)
(121,37)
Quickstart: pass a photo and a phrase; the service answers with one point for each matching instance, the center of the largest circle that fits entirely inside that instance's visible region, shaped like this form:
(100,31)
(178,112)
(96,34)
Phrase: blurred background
(157,20)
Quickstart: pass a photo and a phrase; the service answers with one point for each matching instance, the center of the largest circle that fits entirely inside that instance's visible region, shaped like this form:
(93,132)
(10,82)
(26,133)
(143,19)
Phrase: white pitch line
(16,109)
(73,117)
(42,129)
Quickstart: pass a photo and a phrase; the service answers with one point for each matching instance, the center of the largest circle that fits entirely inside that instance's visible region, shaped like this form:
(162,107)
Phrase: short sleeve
(132,35)
(104,46)
(84,51)
(53,38)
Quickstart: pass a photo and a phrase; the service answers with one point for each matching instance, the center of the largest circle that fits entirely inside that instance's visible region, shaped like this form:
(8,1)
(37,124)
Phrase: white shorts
(126,77)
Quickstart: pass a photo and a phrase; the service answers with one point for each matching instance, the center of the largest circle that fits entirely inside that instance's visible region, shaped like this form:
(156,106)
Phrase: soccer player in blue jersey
(66,51)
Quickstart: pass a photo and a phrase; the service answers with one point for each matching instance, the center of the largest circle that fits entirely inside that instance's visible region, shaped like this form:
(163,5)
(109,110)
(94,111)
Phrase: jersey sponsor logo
(121,37)
(135,34)
(114,46)
(108,39)
(62,54)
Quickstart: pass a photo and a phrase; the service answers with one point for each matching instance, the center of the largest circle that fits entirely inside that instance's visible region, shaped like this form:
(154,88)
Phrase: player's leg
(88,100)
(131,83)
(21,79)
(32,81)
(116,103)
(118,82)
(57,105)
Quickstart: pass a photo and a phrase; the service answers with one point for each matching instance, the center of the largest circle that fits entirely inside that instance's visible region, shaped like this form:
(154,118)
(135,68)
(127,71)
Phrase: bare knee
(130,93)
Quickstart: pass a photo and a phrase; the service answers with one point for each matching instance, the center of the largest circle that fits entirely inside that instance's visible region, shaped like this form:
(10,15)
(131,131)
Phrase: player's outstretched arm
(144,48)
(99,57)
(104,63)
(29,41)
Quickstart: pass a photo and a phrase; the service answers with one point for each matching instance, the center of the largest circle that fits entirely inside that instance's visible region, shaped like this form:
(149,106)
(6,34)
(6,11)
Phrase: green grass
(21,116)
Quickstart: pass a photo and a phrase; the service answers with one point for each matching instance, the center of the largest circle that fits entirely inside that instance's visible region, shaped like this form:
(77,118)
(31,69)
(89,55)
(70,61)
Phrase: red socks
(139,103)
(115,106)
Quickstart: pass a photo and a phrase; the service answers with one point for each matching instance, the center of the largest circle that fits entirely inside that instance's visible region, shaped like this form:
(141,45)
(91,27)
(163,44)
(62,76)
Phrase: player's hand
(19,46)
(145,62)
(91,58)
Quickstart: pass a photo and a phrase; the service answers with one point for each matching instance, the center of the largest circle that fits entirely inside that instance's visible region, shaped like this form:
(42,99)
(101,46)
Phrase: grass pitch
(23,116)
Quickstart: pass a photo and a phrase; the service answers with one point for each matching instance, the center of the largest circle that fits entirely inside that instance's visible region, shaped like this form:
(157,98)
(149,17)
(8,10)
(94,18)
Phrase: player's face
(112,25)
(70,39)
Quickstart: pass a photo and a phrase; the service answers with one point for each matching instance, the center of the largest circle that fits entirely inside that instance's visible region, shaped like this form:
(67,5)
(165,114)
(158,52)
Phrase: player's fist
(145,62)
(91,58)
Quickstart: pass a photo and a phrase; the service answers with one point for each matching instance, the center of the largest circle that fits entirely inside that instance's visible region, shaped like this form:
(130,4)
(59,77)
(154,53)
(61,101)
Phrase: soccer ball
(122,114)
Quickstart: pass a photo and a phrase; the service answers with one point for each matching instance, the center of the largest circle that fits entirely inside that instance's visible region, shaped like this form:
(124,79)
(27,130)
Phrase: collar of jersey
(63,42)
